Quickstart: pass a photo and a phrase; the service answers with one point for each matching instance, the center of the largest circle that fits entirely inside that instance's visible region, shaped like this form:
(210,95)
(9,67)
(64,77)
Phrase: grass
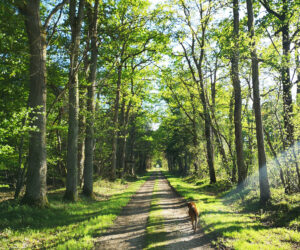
(242,223)
(64,225)
(155,234)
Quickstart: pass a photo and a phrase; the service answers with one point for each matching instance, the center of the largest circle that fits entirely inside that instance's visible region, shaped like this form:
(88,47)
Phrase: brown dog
(193,213)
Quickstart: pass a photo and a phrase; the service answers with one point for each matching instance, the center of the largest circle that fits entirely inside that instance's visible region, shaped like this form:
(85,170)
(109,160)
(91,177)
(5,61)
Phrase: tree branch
(265,3)
(55,9)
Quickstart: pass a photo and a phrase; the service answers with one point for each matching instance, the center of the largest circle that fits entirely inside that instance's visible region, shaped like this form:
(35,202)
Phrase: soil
(129,230)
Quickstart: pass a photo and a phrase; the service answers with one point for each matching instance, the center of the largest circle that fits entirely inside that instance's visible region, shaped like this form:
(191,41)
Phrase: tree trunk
(89,140)
(298,77)
(233,158)
(186,164)
(72,150)
(263,174)
(81,145)
(209,148)
(121,139)
(286,82)
(207,124)
(242,173)
(124,143)
(115,126)
(195,143)
(59,148)
(207,128)
(82,131)
(131,145)
(36,185)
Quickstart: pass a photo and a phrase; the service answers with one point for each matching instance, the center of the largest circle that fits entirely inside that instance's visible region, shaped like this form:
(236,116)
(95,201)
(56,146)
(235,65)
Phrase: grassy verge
(155,226)
(240,224)
(64,225)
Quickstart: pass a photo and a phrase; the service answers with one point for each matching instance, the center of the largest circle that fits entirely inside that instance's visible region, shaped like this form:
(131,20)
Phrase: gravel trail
(178,227)
(129,230)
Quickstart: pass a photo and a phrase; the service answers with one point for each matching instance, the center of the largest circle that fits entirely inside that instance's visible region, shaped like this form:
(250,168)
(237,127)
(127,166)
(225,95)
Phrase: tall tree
(262,163)
(284,14)
(36,185)
(89,139)
(242,172)
(75,20)
(195,55)
(116,119)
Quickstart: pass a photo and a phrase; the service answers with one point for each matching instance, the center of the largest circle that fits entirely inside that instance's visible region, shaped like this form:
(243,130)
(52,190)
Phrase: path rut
(129,229)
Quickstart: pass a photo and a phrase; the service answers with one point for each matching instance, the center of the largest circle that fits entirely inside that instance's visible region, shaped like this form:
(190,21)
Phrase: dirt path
(129,230)
(176,221)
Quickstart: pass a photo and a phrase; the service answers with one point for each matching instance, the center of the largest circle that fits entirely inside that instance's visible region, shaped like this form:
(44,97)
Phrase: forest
(98,97)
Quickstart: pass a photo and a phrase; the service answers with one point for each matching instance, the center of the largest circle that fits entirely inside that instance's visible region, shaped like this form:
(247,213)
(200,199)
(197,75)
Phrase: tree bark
(233,158)
(72,150)
(207,129)
(242,173)
(81,145)
(207,119)
(36,185)
(285,75)
(265,194)
(121,137)
(89,139)
(115,125)
(195,139)
(125,135)
(209,148)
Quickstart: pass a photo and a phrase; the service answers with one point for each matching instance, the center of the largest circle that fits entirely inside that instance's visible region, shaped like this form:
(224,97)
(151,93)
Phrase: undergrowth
(237,220)
(64,225)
